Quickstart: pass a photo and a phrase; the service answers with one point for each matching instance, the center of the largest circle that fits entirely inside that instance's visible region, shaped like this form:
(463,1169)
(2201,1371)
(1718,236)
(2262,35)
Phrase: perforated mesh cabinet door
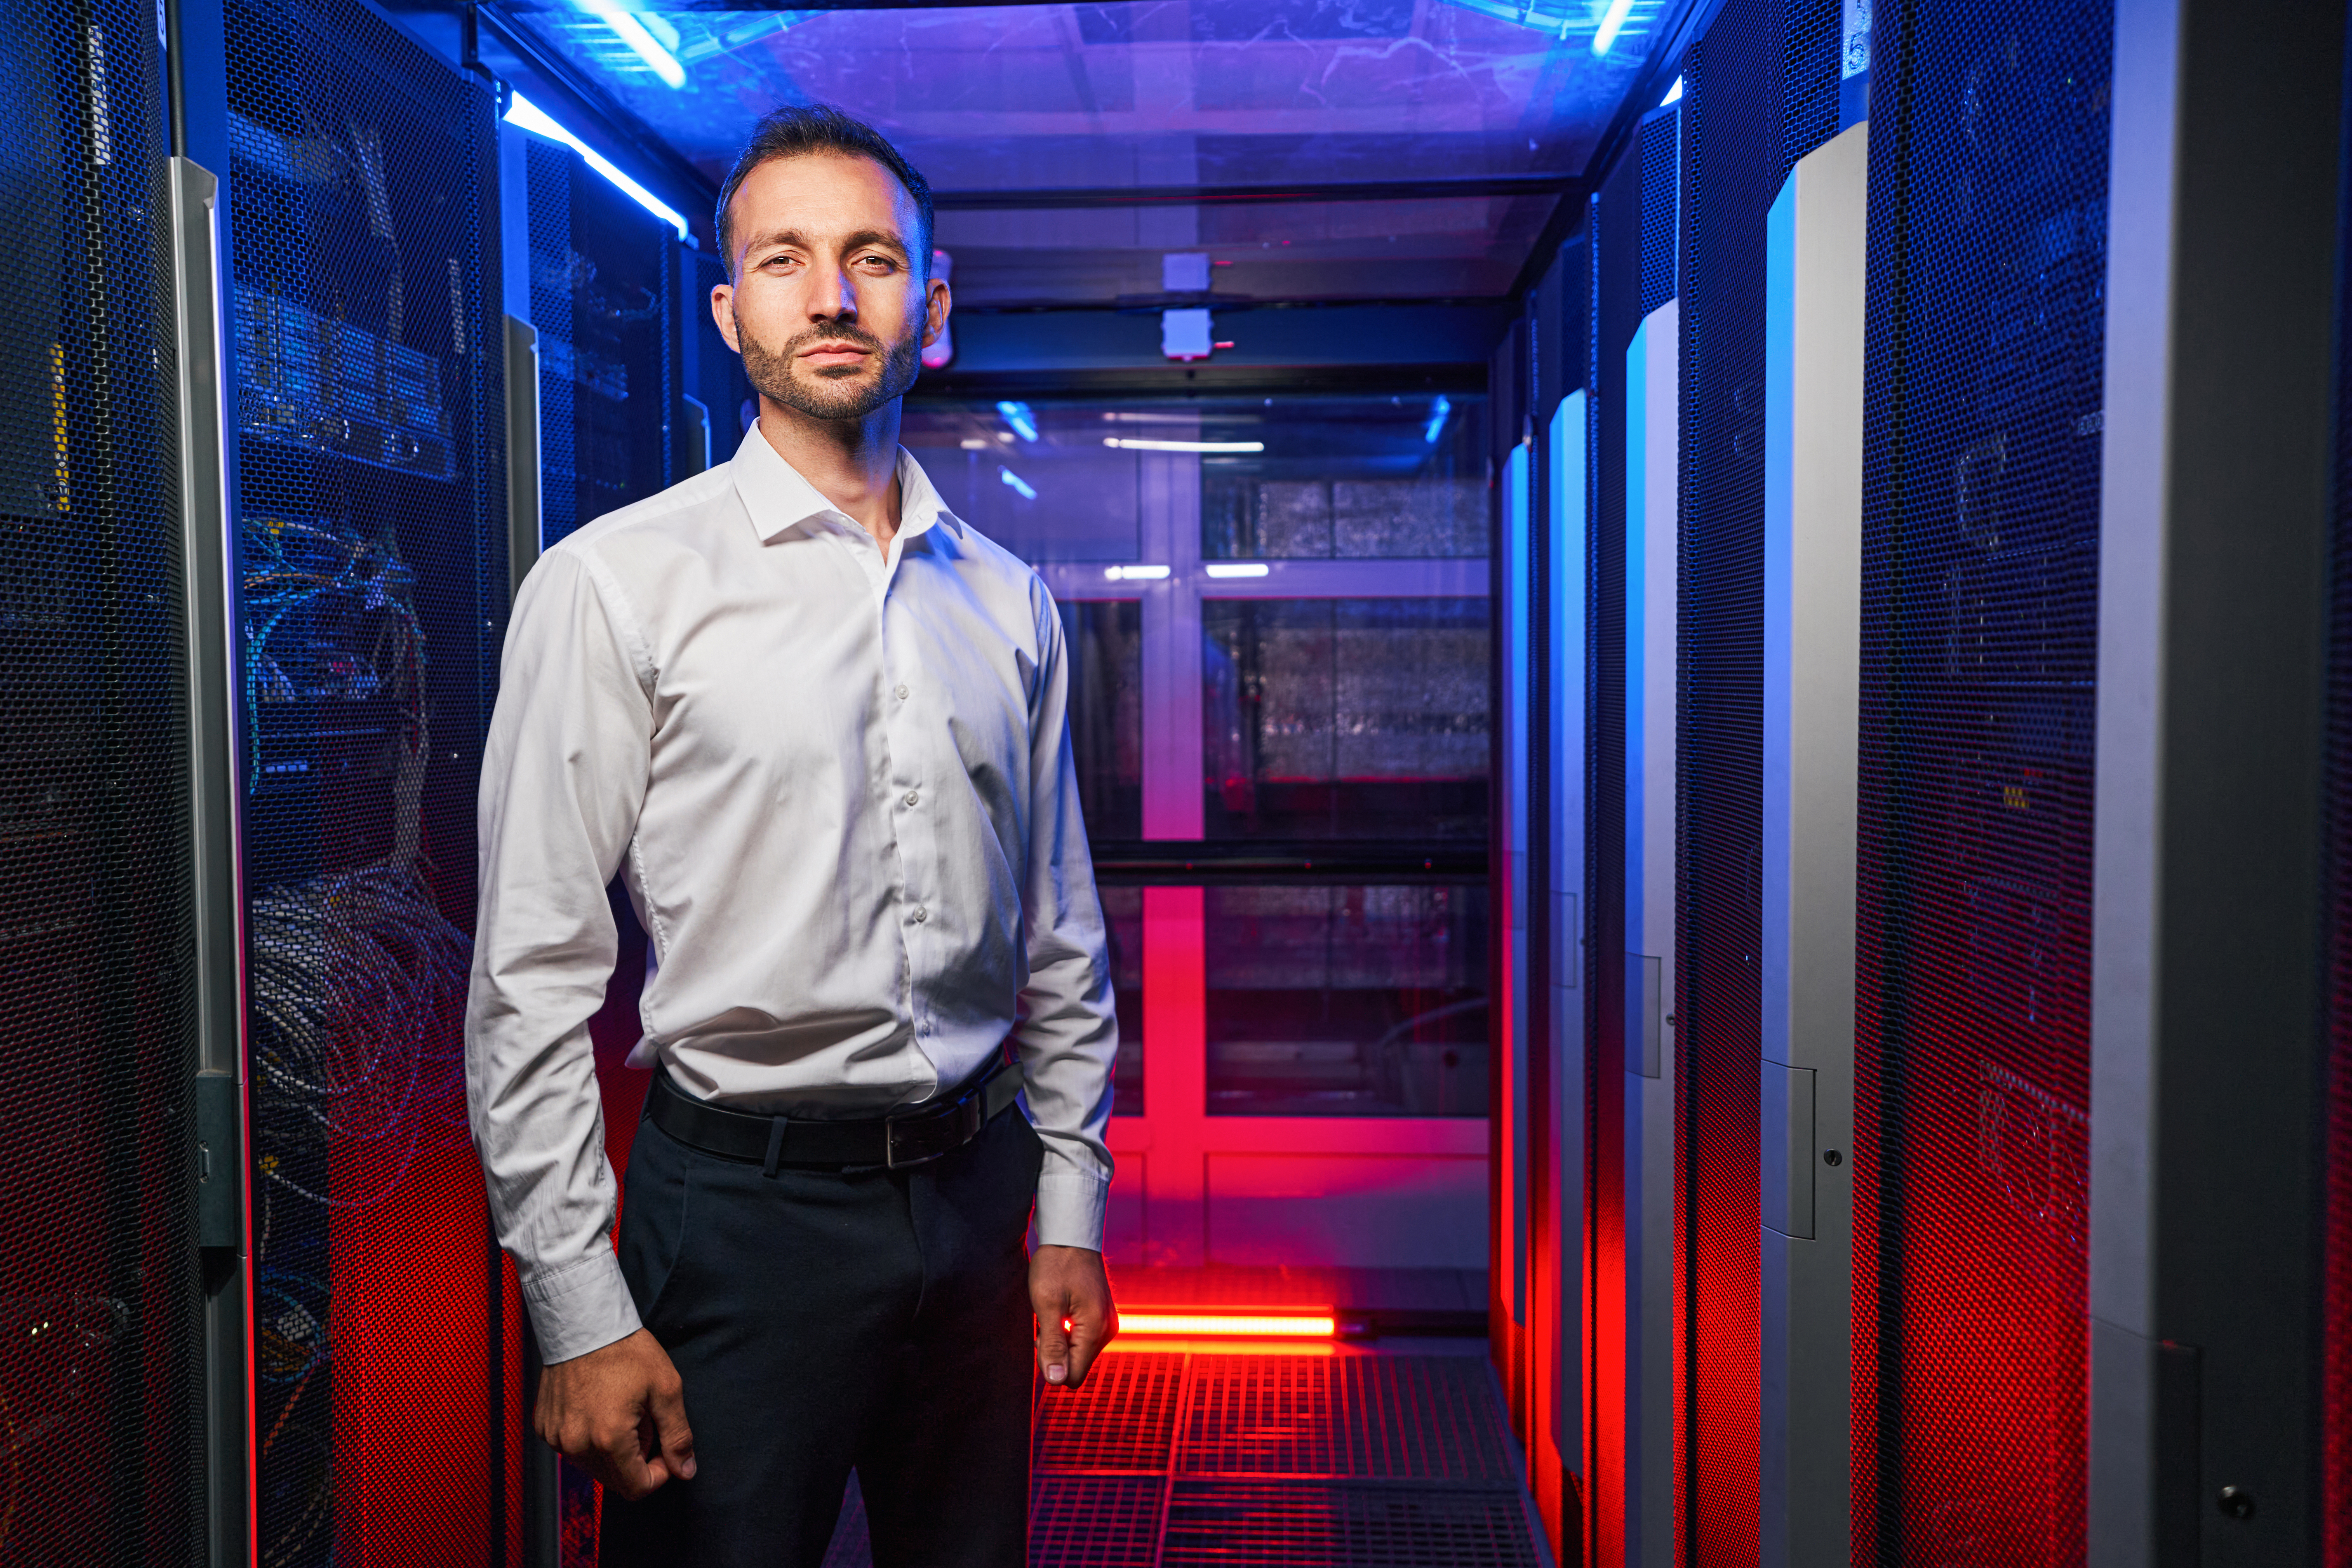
(603,277)
(370,520)
(99,1303)
(1760,91)
(1984,381)
(1659,146)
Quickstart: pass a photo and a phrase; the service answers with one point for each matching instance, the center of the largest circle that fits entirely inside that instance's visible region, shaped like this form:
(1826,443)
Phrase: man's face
(829,307)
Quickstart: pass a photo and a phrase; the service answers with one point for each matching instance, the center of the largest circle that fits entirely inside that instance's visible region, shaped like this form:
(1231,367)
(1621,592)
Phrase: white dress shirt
(839,788)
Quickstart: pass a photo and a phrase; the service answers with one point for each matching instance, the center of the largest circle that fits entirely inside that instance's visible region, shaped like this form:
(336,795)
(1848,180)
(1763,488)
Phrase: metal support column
(1814,268)
(222,1201)
(1568,806)
(1653,556)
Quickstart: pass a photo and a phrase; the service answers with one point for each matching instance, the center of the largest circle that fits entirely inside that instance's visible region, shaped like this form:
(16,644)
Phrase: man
(817,724)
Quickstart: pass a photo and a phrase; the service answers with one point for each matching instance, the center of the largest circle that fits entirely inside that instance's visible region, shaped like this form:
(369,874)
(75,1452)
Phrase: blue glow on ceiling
(641,42)
(1142,92)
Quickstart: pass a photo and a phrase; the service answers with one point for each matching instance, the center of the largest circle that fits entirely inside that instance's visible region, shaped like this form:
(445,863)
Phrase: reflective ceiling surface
(1171,108)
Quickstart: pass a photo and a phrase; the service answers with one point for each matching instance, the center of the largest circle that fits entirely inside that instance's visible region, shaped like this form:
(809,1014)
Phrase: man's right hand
(618,1412)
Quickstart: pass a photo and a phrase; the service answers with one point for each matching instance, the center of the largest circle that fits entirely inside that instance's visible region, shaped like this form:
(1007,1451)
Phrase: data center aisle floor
(1394,1456)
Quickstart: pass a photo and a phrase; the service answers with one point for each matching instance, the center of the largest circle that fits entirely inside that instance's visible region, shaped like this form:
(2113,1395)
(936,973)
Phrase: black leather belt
(909,1138)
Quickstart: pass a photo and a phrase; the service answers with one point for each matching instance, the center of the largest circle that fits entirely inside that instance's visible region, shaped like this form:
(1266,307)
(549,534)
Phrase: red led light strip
(1231,1325)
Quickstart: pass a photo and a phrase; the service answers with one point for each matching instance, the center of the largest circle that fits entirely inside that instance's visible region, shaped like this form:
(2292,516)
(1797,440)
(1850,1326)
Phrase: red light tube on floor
(1231,1325)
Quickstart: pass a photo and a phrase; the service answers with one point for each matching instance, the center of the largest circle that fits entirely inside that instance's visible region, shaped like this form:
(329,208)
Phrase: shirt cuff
(1070,1210)
(581,1307)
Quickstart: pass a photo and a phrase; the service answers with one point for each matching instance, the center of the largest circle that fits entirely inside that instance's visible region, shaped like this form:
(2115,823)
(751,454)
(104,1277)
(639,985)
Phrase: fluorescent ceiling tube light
(1236,569)
(642,44)
(1138,444)
(1613,22)
(1020,486)
(1135,574)
(1017,415)
(522,111)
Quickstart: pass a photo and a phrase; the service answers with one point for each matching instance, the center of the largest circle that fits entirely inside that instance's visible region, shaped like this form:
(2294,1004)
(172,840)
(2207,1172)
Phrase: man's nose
(831,298)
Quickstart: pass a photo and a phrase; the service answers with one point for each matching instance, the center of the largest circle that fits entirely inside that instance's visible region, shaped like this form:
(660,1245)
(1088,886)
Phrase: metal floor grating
(1123,1419)
(1103,1521)
(1265,1415)
(1423,1417)
(1345,1524)
(1353,1459)
(1407,1417)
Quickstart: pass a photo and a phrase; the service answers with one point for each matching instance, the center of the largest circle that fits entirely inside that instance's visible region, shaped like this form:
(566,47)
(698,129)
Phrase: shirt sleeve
(1068,1030)
(563,775)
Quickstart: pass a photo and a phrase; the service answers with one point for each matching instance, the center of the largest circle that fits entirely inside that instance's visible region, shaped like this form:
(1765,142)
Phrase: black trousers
(824,1320)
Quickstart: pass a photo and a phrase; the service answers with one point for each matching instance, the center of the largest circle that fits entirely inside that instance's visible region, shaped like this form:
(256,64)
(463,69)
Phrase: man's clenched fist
(619,1414)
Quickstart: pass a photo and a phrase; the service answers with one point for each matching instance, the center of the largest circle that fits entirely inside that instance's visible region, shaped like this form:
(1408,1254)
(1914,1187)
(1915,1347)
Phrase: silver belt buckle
(890,1161)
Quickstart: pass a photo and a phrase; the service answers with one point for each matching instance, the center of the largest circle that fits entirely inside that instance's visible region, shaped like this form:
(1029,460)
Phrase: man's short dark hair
(798,128)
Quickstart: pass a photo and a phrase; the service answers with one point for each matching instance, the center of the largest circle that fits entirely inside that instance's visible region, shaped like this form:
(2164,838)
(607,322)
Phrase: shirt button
(921,915)
(911,798)
(903,693)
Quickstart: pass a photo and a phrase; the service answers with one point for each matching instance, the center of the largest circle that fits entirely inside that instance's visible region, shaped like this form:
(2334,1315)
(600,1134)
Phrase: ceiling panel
(1169,97)
(1150,92)
(1445,248)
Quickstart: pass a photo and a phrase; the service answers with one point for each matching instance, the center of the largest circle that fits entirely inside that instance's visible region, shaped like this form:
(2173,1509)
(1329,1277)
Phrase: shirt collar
(778,499)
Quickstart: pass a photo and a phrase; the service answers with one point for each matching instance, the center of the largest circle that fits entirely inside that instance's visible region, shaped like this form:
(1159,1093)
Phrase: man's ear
(936,302)
(722,312)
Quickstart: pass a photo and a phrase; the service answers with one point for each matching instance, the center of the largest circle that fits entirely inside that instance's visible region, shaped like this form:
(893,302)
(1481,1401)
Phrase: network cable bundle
(369,520)
(356,977)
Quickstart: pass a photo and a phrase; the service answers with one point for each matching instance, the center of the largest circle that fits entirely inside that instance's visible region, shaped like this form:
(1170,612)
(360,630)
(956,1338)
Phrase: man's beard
(837,392)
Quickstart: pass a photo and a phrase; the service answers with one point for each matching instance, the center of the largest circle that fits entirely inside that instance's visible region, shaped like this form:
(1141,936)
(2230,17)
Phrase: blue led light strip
(522,111)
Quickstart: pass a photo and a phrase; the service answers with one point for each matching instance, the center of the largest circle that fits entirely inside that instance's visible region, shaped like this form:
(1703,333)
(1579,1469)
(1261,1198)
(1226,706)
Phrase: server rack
(1544,655)
(367,512)
(1614,225)
(2211,1438)
(601,293)
(101,1298)
(1985,386)
(1815,291)
(1651,958)
(1560,1321)
(1762,90)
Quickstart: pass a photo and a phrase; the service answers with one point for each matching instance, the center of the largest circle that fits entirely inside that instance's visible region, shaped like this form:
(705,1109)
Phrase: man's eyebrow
(779,237)
(877,236)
